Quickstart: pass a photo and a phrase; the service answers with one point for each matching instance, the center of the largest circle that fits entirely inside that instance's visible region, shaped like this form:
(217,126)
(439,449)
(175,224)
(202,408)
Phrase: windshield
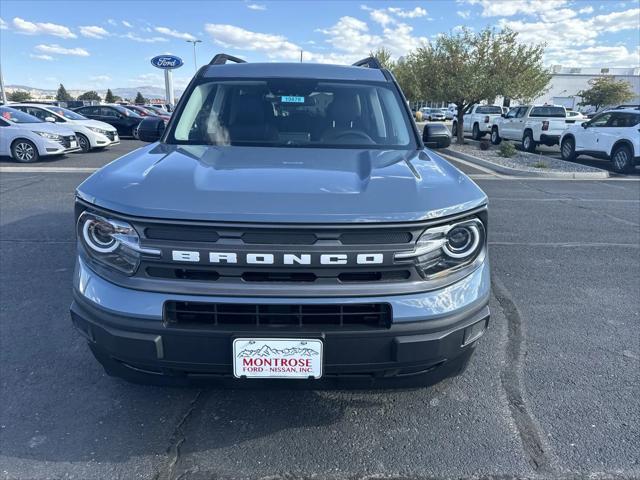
(16,116)
(294,112)
(68,114)
(558,112)
(490,109)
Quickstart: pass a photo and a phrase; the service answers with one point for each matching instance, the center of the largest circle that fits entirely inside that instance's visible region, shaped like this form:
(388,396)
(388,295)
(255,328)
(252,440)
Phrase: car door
(517,125)
(114,118)
(588,138)
(506,124)
(90,112)
(613,131)
(466,118)
(5,137)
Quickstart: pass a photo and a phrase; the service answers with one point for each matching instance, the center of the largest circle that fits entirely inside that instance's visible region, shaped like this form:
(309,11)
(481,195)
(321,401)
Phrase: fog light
(474,332)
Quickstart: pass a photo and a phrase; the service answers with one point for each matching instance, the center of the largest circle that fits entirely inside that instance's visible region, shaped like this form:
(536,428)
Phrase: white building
(566,82)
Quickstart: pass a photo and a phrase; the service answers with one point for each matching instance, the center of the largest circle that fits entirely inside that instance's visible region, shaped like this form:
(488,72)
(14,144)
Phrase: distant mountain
(147,91)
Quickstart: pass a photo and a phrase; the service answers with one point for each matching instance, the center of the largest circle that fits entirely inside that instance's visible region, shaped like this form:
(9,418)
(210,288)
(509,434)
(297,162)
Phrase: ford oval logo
(166,62)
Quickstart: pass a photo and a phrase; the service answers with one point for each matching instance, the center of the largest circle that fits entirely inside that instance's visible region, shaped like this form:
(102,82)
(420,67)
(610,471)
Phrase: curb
(525,173)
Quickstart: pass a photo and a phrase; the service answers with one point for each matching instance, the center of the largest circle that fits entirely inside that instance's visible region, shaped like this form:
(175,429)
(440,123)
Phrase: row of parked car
(29,131)
(612,134)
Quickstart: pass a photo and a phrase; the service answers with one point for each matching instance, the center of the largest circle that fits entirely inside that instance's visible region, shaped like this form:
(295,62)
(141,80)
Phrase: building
(566,82)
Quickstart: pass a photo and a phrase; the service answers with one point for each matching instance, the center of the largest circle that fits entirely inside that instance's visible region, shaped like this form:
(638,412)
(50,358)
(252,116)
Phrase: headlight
(447,248)
(98,130)
(110,242)
(50,136)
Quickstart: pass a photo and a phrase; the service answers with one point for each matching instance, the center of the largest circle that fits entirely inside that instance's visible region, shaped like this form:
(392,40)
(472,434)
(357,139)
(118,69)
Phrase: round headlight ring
(92,235)
(470,246)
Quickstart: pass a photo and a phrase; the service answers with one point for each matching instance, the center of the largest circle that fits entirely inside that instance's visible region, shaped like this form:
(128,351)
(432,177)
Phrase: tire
(24,151)
(528,144)
(475,132)
(454,129)
(495,136)
(622,160)
(134,133)
(568,149)
(84,143)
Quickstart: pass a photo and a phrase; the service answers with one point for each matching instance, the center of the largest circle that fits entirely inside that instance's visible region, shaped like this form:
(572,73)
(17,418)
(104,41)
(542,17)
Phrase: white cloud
(93,31)
(464,13)
(415,13)
(381,17)
(100,78)
(137,38)
(3,24)
(587,9)
(174,33)
(598,56)
(272,45)
(30,28)
(491,8)
(58,50)
(256,6)
(616,21)
(112,22)
(126,24)
(41,57)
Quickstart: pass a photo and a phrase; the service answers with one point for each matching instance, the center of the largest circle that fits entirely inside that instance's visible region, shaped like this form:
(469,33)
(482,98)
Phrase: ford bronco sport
(288,222)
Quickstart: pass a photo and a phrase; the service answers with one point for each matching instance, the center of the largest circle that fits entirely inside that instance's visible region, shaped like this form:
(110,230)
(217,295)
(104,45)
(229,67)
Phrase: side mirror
(436,135)
(151,129)
(584,124)
(50,119)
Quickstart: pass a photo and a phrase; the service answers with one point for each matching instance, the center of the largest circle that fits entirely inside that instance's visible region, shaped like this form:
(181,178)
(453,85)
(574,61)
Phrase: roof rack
(369,62)
(222,58)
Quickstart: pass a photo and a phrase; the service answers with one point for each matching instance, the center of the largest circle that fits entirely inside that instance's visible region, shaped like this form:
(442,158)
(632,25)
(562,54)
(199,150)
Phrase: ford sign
(167,62)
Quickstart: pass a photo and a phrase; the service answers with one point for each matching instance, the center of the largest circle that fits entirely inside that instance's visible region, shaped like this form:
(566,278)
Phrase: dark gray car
(288,223)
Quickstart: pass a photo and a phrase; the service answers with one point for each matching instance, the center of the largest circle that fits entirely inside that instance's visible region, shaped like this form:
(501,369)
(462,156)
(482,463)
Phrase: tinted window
(624,120)
(16,116)
(66,113)
(108,112)
(294,112)
(489,109)
(556,112)
(512,113)
(522,111)
(600,120)
(89,110)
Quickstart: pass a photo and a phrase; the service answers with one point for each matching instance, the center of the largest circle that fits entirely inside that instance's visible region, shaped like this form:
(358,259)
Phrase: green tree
(63,95)
(90,95)
(467,67)
(109,97)
(140,100)
(384,57)
(19,96)
(605,91)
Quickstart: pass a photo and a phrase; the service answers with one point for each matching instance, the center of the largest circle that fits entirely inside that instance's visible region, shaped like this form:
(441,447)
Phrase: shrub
(507,150)
(418,116)
(484,145)
(540,164)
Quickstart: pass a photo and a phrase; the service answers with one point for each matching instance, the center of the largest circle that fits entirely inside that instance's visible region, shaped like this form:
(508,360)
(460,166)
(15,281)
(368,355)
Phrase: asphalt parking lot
(552,391)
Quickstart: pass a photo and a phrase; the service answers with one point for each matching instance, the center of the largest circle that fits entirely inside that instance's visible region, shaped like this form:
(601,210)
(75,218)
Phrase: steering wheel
(355,134)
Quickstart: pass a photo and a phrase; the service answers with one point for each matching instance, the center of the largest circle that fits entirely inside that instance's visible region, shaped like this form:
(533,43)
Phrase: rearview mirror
(50,119)
(151,129)
(436,135)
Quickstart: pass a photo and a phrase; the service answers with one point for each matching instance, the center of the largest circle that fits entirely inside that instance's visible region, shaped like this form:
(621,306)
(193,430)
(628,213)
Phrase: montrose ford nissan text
(288,222)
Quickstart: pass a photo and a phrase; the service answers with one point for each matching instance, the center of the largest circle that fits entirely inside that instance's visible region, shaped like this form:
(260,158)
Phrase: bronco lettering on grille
(230,258)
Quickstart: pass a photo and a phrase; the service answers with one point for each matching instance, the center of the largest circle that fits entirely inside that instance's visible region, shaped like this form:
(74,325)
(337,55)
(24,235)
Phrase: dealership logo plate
(277,358)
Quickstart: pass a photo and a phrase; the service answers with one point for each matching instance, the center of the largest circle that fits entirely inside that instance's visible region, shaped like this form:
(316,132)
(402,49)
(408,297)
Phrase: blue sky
(100,44)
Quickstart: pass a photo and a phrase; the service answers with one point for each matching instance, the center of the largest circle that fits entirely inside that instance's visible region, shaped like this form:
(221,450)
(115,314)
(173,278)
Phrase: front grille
(376,315)
(110,135)
(66,141)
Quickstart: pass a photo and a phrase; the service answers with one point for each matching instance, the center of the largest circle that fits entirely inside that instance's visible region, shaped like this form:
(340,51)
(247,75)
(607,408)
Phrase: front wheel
(568,149)
(495,136)
(83,142)
(622,160)
(24,151)
(528,144)
(475,132)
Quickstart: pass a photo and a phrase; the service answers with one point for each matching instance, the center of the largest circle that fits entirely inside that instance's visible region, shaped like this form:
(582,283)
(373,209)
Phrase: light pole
(195,61)
(3,95)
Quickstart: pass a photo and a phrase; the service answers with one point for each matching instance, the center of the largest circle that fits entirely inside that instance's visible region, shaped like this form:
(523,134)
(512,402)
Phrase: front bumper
(125,327)
(100,140)
(51,147)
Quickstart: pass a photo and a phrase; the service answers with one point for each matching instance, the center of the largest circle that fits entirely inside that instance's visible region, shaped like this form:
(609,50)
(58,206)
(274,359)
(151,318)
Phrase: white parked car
(91,133)
(532,125)
(478,120)
(573,117)
(613,135)
(432,114)
(26,138)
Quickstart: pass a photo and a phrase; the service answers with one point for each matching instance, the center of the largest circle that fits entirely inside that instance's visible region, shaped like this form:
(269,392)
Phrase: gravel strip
(529,162)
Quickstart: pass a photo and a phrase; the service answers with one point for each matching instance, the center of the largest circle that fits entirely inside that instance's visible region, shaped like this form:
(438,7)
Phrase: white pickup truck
(478,120)
(532,125)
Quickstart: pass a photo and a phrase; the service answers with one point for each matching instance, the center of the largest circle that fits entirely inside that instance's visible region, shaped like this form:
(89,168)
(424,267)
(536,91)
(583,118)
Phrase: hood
(93,123)
(46,127)
(284,185)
